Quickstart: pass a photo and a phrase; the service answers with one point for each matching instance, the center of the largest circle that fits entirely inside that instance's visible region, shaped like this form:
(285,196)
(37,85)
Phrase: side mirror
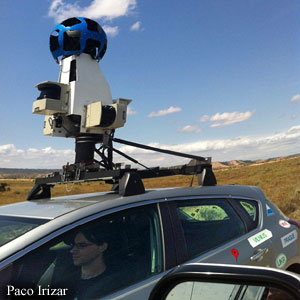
(220,282)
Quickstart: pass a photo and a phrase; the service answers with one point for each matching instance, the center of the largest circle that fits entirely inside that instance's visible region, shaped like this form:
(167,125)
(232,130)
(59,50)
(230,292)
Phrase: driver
(88,253)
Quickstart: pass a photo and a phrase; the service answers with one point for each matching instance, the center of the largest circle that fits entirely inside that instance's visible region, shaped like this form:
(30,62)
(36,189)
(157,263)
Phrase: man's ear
(103,247)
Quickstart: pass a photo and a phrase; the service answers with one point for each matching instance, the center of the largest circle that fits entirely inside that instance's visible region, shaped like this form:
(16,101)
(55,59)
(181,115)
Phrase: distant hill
(232,163)
(239,163)
(15,173)
(26,171)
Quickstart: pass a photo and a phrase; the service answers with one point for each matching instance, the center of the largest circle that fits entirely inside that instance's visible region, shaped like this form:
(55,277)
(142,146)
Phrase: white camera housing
(95,116)
(57,100)
(80,102)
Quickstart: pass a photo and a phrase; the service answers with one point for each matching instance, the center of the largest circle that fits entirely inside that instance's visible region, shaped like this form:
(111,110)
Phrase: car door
(260,236)
(220,230)
(133,254)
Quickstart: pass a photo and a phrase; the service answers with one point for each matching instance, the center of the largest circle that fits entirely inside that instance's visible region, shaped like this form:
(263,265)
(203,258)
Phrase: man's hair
(95,235)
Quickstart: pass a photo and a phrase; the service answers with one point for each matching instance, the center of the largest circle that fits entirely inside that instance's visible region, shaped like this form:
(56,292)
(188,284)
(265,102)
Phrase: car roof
(55,207)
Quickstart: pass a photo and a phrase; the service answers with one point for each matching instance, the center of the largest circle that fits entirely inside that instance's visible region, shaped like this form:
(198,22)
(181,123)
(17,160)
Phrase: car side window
(94,259)
(207,224)
(251,208)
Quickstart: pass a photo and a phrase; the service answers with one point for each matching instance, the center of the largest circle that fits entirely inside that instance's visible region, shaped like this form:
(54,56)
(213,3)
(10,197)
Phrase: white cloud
(190,128)
(136,26)
(11,157)
(164,112)
(130,111)
(295,98)
(243,147)
(105,10)
(111,30)
(98,9)
(226,118)
(6,149)
(205,118)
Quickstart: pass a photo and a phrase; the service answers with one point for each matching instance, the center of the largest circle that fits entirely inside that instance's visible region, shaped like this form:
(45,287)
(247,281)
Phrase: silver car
(142,237)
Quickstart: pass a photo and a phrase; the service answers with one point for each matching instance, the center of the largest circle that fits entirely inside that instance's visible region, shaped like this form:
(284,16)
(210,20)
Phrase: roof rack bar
(118,173)
(122,179)
(42,186)
(120,141)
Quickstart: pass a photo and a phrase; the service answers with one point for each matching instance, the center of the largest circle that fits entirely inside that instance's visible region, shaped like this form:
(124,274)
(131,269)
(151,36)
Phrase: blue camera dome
(78,35)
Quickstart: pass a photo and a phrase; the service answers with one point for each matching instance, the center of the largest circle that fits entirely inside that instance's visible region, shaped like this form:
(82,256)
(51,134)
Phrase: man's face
(84,252)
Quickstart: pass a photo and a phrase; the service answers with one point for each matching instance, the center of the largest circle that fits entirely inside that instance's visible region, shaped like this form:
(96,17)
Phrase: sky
(210,78)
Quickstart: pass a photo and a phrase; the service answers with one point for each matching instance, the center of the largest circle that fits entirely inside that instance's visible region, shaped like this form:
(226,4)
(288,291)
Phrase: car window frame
(168,237)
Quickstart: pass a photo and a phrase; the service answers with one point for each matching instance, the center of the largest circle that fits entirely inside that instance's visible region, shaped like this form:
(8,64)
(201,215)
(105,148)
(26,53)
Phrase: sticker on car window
(289,238)
(260,237)
(281,260)
(284,224)
(269,211)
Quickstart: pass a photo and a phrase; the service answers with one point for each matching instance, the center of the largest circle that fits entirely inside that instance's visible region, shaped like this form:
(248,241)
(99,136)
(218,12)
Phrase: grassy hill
(279,179)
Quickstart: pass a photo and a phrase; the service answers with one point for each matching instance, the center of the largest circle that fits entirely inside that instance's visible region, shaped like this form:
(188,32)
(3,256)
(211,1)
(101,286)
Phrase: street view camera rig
(80,106)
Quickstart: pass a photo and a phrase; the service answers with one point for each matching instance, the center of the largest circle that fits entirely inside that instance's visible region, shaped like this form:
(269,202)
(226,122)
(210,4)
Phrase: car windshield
(13,227)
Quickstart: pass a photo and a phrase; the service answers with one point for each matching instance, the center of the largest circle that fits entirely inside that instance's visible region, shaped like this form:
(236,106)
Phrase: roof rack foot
(40,191)
(207,177)
(131,184)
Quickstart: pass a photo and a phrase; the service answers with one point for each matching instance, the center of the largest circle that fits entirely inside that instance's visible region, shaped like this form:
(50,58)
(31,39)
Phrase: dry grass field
(279,180)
